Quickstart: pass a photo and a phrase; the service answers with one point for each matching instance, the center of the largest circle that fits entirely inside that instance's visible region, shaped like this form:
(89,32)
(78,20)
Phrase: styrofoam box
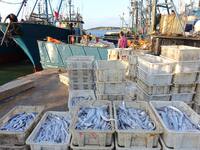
(181,52)
(131,138)
(143,96)
(48,145)
(155,64)
(110,88)
(80,62)
(78,93)
(184,78)
(184,97)
(153,90)
(74,147)
(89,136)
(178,139)
(111,97)
(164,147)
(110,71)
(19,138)
(183,88)
(154,79)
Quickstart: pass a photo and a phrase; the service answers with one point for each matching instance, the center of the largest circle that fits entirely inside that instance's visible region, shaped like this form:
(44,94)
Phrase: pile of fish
(77,99)
(19,122)
(132,118)
(55,129)
(96,118)
(176,120)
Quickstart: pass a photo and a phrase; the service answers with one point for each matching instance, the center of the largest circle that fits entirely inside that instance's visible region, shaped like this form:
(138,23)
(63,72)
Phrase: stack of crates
(154,78)
(187,63)
(80,71)
(110,80)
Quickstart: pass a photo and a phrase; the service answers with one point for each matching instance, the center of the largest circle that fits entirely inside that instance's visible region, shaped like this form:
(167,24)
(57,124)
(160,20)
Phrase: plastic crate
(198,78)
(153,90)
(183,88)
(187,66)
(131,138)
(80,62)
(131,89)
(184,78)
(181,52)
(132,71)
(117,147)
(74,147)
(80,73)
(164,147)
(114,97)
(78,93)
(19,138)
(154,79)
(196,108)
(197,98)
(155,64)
(93,137)
(8,147)
(178,139)
(143,96)
(110,71)
(48,145)
(81,86)
(184,97)
(110,88)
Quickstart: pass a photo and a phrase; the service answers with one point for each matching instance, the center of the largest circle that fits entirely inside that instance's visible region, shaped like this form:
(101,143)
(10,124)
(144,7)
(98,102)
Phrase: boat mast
(70,10)
(47,12)
(23,4)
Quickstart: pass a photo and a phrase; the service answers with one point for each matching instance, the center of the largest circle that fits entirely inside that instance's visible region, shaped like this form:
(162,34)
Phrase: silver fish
(77,99)
(131,118)
(96,118)
(55,129)
(19,122)
(176,120)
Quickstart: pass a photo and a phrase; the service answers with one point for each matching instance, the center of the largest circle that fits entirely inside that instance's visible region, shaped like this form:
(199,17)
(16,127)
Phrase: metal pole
(60,6)
(24,1)
(166,1)
(70,10)
(47,13)
(153,15)
(33,8)
(136,16)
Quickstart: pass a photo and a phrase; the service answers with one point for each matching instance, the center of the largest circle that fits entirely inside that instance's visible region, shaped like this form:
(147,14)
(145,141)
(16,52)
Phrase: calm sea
(100,33)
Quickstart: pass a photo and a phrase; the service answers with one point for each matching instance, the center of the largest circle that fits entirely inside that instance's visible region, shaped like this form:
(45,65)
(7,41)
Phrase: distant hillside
(105,28)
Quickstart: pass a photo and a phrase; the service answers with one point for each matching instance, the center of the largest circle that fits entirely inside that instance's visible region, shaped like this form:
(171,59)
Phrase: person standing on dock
(122,42)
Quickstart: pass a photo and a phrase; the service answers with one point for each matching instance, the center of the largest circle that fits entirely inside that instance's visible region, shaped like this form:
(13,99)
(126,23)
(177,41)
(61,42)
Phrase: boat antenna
(22,4)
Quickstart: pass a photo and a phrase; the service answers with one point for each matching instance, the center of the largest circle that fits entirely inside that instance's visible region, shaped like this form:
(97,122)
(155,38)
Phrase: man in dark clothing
(12,17)
(14,29)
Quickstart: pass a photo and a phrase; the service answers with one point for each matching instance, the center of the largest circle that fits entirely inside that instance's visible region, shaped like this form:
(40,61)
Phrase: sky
(95,12)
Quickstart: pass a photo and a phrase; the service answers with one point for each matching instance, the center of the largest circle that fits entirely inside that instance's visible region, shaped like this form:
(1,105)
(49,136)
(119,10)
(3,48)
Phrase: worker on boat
(122,42)
(12,18)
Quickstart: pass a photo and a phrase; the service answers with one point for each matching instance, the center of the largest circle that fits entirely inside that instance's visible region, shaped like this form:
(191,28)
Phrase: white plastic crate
(153,90)
(154,79)
(8,147)
(187,66)
(184,97)
(74,147)
(184,78)
(19,138)
(48,145)
(80,73)
(110,88)
(155,64)
(86,95)
(132,71)
(110,71)
(81,86)
(198,77)
(197,98)
(183,88)
(131,89)
(143,96)
(93,137)
(181,52)
(178,139)
(137,138)
(113,97)
(164,147)
(196,108)
(80,62)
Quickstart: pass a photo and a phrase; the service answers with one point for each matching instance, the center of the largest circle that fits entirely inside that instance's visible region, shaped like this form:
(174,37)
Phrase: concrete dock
(47,91)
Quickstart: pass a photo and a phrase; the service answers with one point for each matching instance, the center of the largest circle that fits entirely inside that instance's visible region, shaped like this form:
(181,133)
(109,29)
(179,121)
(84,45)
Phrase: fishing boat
(41,25)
